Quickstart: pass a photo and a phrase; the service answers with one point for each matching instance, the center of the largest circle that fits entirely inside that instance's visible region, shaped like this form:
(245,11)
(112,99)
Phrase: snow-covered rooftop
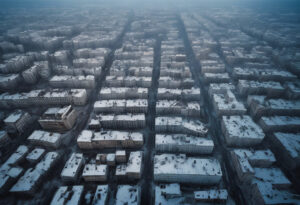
(101,195)
(128,194)
(180,168)
(241,131)
(67,195)
(72,167)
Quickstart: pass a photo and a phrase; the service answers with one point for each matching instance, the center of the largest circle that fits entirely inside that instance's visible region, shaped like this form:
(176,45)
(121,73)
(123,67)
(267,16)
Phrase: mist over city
(128,102)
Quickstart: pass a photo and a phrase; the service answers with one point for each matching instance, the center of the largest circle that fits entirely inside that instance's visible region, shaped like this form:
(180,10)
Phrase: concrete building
(46,139)
(121,106)
(181,143)
(192,94)
(172,83)
(175,107)
(44,98)
(123,121)
(128,81)
(288,145)
(168,194)
(180,125)
(262,74)
(123,93)
(32,178)
(261,106)
(216,78)
(182,169)
(91,53)
(35,155)
(227,104)
(68,195)
(18,121)
(10,171)
(128,194)
(72,167)
(95,172)
(69,81)
(271,88)
(220,88)
(58,119)
(280,124)
(244,160)
(101,196)
(120,156)
(241,131)
(109,139)
(134,165)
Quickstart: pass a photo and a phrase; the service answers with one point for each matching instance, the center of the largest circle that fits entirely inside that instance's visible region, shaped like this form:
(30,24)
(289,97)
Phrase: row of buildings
(252,101)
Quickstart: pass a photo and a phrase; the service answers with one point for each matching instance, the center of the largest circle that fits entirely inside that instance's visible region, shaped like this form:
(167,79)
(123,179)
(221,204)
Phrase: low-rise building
(44,98)
(168,194)
(69,81)
(68,195)
(121,106)
(95,172)
(123,121)
(192,94)
(120,156)
(101,195)
(134,165)
(280,124)
(177,108)
(179,125)
(241,131)
(181,143)
(227,104)
(288,147)
(72,167)
(58,119)
(128,194)
(220,88)
(271,88)
(10,171)
(261,106)
(46,139)
(216,78)
(172,83)
(262,74)
(89,62)
(128,81)
(109,139)
(32,178)
(182,169)
(18,121)
(244,160)
(123,93)
(35,155)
